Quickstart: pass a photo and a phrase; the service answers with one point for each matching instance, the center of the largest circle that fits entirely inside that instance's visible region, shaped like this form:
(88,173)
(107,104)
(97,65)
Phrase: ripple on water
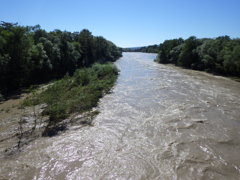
(159,122)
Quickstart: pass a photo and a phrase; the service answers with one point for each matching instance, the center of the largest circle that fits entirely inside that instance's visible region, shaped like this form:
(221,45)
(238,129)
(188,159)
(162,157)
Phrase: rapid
(159,122)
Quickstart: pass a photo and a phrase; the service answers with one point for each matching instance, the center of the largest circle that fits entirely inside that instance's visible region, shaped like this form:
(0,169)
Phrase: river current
(159,122)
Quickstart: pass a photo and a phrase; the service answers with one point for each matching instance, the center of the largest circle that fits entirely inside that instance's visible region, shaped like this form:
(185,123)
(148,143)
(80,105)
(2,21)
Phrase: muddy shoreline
(22,125)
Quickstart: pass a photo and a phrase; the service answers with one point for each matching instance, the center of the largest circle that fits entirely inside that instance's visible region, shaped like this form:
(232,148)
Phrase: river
(159,122)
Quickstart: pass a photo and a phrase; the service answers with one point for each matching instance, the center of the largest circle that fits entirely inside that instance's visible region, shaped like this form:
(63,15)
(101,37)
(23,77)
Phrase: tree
(188,56)
(31,55)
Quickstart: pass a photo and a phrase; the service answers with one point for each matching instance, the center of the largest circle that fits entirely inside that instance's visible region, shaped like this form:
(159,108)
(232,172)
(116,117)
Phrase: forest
(220,55)
(30,55)
(145,49)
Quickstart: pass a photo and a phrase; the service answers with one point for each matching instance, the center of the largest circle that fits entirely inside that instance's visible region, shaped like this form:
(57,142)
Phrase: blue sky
(129,23)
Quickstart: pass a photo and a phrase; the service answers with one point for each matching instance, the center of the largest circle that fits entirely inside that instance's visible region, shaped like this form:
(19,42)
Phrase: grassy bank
(79,93)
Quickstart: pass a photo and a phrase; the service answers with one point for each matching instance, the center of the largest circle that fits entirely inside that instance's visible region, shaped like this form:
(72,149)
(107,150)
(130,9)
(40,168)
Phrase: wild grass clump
(78,93)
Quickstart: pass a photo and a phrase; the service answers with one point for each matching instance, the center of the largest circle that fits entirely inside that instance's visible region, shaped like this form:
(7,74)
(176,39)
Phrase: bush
(78,93)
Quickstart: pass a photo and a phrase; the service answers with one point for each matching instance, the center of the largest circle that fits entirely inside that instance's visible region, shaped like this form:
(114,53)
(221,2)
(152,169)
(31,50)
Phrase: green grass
(78,93)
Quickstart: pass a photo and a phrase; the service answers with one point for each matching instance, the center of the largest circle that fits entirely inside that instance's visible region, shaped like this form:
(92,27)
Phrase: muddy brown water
(160,122)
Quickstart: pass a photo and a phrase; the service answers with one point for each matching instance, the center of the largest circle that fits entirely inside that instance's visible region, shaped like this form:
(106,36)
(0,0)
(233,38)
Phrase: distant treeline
(220,55)
(146,49)
(30,55)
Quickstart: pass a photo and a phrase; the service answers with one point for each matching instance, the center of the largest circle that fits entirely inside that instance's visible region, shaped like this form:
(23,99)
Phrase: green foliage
(146,49)
(30,55)
(165,55)
(77,93)
(188,56)
(220,55)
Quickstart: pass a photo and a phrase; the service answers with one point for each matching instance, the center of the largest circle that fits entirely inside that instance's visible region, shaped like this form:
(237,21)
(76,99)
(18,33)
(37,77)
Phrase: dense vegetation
(146,49)
(220,55)
(77,93)
(30,55)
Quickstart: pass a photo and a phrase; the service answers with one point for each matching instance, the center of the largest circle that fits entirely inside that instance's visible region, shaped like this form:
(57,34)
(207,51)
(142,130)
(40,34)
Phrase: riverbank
(55,107)
(204,73)
(79,93)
